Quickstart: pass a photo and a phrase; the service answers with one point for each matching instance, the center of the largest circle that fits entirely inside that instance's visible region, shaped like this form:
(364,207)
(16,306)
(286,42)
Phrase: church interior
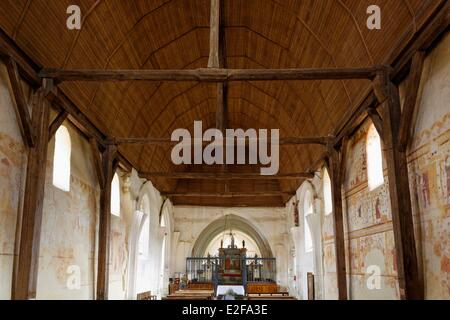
(93,206)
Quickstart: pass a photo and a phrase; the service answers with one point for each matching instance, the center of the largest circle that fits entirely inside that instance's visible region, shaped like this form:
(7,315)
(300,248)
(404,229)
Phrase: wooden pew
(146,296)
(191,294)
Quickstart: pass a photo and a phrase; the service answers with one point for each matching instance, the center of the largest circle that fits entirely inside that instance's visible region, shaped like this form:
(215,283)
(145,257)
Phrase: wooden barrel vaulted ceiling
(174,34)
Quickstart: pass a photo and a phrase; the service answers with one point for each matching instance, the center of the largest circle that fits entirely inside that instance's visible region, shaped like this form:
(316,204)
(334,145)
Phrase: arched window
(61,159)
(115,196)
(328,201)
(374,159)
(144,239)
(307,210)
(144,262)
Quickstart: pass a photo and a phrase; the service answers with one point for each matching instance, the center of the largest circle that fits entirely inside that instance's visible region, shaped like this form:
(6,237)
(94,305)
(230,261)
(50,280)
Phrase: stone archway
(236,223)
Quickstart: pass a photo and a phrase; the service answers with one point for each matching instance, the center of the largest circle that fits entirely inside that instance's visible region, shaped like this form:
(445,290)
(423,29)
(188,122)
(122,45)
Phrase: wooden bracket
(98,164)
(51,91)
(380,85)
(412,90)
(376,119)
(57,122)
(21,106)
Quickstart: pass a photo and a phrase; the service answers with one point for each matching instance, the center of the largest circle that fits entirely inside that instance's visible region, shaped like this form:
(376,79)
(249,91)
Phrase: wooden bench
(146,296)
(271,298)
(191,294)
(274,294)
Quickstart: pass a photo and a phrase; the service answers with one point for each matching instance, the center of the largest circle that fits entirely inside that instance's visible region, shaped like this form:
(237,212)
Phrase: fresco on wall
(68,239)
(429,162)
(369,222)
(12,161)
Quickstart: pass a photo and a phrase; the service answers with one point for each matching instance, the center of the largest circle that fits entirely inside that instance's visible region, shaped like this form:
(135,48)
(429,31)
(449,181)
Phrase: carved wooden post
(24,286)
(336,169)
(408,270)
(105,222)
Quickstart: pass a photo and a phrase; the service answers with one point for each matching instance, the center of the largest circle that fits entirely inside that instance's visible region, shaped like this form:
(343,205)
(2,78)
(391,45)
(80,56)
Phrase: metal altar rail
(210,270)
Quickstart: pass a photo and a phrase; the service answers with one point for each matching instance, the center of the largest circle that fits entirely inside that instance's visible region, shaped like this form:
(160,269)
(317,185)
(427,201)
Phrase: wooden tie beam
(228,194)
(210,74)
(225,176)
(168,141)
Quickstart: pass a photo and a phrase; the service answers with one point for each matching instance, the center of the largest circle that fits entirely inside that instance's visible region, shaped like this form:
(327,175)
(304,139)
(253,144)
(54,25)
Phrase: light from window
(374,159)
(327,199)
(307,210)
(144,239)
(115,196)
(61,159)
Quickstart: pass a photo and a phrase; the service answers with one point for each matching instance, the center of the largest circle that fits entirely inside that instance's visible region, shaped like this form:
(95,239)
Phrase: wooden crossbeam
(57,122)
(228,194)
(211,74)
(411,94)
(225,175)
(164,141)
(21,106)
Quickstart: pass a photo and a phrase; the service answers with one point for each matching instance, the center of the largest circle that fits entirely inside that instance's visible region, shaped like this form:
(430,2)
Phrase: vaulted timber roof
(174,34)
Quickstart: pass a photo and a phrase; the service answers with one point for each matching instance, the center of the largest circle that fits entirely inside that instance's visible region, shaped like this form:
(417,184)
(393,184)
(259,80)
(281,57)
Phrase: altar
(231,267)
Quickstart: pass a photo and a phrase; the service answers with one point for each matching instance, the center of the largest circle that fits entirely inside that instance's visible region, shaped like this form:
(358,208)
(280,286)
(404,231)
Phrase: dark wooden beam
(24,286)
(210,74)
(98,164)
(21,105)
(354,117)
(29,72)
(410,284)
(335,166)
(376,119)
(214,27)
(57,122)
(168,141)
(228,194)
(423,40)
(225,175)
(435,25)
(105,223)
(411,93)
(27,67)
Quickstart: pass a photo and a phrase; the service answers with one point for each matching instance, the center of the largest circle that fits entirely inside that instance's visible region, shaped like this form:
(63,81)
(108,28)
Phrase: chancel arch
(234,223)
